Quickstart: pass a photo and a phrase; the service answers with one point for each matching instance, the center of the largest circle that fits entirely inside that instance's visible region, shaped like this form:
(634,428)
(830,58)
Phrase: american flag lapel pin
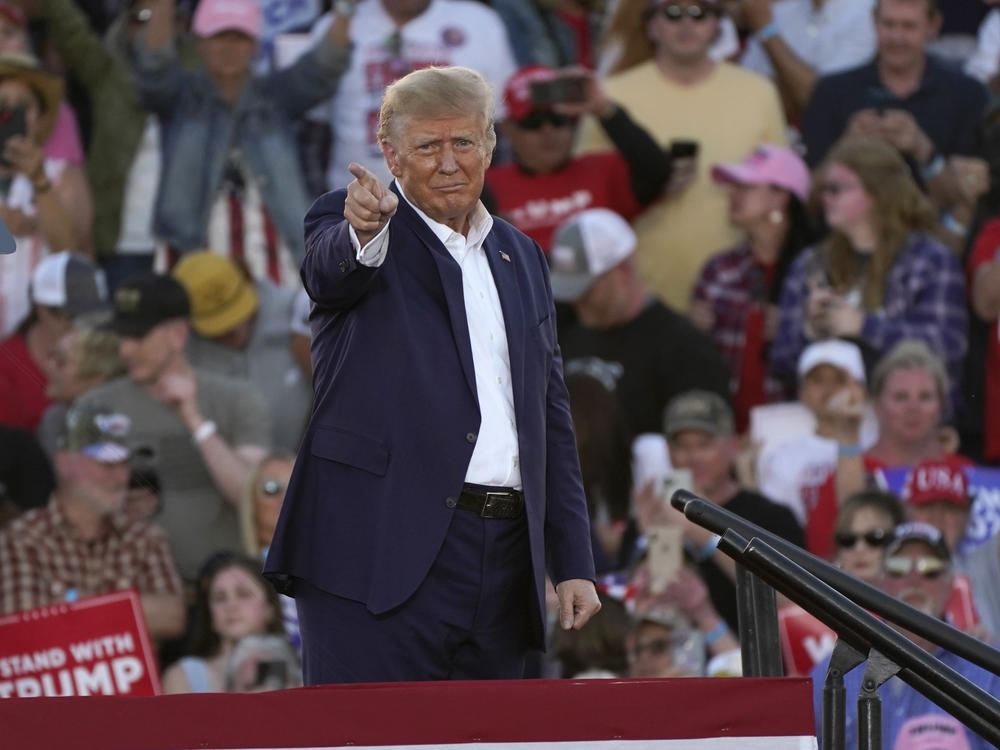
(505,256)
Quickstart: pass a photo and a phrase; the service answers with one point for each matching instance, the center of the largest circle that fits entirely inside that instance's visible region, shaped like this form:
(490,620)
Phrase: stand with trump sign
(94,646)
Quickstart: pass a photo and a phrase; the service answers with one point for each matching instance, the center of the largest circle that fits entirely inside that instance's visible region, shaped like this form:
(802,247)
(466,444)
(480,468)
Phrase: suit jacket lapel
(451,282)
(505,277)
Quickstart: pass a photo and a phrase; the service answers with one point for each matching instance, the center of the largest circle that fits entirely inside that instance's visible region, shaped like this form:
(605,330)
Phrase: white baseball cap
(69,281)
(837,352)
(584,247)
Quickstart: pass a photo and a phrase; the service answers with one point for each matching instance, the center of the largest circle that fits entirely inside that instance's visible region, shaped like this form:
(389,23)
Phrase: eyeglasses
(873,538)
(835,188)
(926,567)
(272,486)
(537,118)
(674,12)
(657,647)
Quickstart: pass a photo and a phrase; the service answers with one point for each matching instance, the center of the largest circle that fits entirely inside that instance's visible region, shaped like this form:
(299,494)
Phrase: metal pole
(845,658)
(757,609)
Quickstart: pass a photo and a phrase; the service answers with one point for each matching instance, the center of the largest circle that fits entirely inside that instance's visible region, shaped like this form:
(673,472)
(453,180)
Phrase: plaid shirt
(732,282)
(924,299)
(43,560)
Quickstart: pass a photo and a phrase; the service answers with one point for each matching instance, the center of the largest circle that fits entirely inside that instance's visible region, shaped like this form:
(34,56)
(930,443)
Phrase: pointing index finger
(367,179)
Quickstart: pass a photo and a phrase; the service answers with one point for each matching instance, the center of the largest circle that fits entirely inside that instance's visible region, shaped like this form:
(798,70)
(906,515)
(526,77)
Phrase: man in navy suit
(438,478)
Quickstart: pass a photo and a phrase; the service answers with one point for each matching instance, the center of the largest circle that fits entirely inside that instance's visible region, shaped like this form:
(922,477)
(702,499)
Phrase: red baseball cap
(937,481)
(517,92)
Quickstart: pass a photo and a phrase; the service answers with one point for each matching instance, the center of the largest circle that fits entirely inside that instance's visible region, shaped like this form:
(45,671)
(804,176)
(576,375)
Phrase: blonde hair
(248,499)
(628,26)
(433,92)
(898,209)
(911,354)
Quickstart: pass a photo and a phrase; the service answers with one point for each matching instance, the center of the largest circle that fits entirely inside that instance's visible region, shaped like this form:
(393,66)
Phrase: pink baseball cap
(932,732)
(768,165)
(215,16)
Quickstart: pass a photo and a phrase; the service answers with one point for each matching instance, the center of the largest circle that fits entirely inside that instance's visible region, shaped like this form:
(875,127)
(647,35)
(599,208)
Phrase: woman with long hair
(879,277)
(233,601)
(735,298)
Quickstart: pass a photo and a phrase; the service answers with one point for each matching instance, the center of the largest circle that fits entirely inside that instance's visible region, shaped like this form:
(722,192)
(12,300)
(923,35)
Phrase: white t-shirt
(139,198)
(838,36)
(790,473)
(985,61)
(448,32)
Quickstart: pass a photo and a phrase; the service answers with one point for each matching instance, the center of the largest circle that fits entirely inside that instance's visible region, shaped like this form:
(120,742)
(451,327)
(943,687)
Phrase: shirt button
(470,437)
(451,502)
(500,381)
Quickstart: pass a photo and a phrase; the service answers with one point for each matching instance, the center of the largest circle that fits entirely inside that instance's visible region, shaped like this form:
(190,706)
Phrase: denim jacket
(198,128)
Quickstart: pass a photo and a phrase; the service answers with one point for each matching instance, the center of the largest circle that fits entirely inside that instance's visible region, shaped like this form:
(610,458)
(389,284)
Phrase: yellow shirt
(730,113)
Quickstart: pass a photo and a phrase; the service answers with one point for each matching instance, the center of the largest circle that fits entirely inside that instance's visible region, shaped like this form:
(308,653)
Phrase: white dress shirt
(495,460)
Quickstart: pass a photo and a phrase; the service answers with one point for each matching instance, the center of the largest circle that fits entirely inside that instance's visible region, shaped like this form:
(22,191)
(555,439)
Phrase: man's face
(650,651)
(915,575)
(148,357)
(228,54)
(819,384)
(909,407)
(903,28)
(679,36)
(598,307)
(708,456)
(542,141)
(440,164)
(101,485)
(947,517)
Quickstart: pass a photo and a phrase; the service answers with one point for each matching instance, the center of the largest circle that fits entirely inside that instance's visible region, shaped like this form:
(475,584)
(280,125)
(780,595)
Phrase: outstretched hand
(369,204)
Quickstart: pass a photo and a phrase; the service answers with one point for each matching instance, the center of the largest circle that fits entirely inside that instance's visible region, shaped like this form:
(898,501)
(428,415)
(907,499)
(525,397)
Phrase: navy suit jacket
(396,414)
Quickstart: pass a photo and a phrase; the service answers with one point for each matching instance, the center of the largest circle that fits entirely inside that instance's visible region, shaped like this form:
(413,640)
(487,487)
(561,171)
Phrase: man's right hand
(369,204)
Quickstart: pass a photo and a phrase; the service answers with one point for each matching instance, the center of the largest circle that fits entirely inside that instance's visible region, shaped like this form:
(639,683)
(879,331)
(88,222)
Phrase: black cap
(144,300)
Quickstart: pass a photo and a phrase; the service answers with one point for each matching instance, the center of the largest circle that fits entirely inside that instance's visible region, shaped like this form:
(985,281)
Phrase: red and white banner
(682,714)
(94,646)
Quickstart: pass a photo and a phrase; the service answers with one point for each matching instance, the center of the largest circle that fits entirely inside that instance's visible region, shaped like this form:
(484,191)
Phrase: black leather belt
(492,502)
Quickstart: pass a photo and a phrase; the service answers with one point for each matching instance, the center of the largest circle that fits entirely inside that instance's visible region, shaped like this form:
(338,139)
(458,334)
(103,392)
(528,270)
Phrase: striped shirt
(43,560)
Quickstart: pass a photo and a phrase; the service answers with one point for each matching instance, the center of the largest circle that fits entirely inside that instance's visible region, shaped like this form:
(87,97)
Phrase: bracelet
(717,632)
(934,167)
(850,450)
(41,187)
(204,432)
(953,225)
(766,32)
(709,548)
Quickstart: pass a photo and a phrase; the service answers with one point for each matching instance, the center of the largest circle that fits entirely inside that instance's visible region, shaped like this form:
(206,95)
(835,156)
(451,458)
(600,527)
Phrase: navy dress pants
(470,619)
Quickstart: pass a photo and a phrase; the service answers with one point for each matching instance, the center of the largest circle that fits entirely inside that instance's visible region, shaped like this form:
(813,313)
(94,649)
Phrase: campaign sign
(94,646)
(804,639)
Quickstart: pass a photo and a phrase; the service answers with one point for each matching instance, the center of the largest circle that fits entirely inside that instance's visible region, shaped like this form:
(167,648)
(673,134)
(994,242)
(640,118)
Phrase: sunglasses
(926,567)
(674,12)
(537,118)
(657,647)
(873,538)
(272,487)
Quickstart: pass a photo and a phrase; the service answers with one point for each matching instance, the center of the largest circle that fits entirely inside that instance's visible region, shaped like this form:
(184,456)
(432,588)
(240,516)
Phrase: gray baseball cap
(70,281)
(584,247)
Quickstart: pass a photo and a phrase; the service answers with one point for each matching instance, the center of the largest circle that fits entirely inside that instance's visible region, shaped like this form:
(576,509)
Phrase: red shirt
(22,386)
(538,204)
(984,249)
